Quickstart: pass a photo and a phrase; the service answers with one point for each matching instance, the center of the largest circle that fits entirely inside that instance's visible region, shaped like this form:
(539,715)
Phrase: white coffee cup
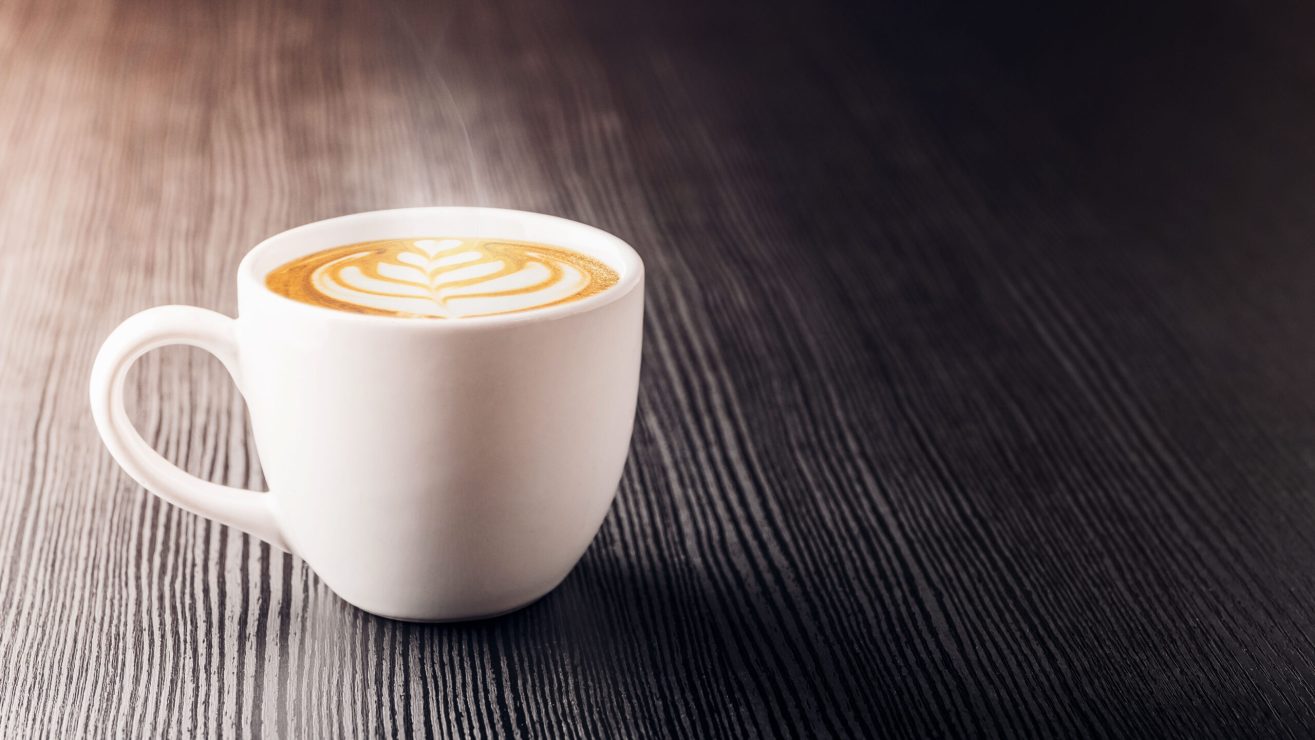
(426,469)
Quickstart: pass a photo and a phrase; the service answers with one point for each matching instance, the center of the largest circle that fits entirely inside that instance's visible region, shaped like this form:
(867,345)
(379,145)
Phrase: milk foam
(441,277)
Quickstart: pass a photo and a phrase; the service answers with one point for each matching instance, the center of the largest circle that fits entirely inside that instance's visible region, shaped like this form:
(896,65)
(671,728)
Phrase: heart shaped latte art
(441,277)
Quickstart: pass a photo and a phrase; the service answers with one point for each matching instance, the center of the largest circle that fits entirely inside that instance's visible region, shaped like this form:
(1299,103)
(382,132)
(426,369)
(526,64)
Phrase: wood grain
(977,393)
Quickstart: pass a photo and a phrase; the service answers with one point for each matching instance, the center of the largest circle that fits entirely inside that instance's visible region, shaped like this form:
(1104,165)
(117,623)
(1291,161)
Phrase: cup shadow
(703,649)
(703,644)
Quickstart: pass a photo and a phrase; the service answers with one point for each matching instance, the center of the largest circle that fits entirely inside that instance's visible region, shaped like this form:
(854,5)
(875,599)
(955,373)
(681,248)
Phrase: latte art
(441,277)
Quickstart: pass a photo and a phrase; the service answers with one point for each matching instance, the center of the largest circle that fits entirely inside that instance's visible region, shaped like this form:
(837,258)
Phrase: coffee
(441,277)
(427,469)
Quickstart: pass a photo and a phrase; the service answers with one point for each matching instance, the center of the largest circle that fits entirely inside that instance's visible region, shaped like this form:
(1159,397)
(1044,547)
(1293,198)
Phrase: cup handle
(249,511)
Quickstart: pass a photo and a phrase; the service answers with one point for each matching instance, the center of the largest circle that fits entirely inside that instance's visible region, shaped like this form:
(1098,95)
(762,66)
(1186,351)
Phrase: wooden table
(978,392)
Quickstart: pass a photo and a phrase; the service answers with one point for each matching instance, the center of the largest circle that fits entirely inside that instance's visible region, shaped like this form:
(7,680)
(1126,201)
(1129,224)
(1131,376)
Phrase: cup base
(494,614)
(456,620)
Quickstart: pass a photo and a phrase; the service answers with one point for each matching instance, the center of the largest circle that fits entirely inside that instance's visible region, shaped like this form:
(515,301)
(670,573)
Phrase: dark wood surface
(979,379)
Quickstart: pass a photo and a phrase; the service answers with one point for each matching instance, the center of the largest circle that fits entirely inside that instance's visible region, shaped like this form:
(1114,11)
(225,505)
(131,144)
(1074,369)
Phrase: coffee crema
(441,277)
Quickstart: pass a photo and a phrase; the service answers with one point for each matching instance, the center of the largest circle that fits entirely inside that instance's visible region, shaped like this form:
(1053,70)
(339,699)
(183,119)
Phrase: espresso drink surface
(441,277)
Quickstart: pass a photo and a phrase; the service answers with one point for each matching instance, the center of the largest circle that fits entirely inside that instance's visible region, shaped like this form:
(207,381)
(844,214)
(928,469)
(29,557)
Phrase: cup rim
(631,269)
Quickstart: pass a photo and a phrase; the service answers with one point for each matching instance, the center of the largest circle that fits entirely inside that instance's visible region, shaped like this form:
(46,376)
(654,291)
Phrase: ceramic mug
(426,469)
